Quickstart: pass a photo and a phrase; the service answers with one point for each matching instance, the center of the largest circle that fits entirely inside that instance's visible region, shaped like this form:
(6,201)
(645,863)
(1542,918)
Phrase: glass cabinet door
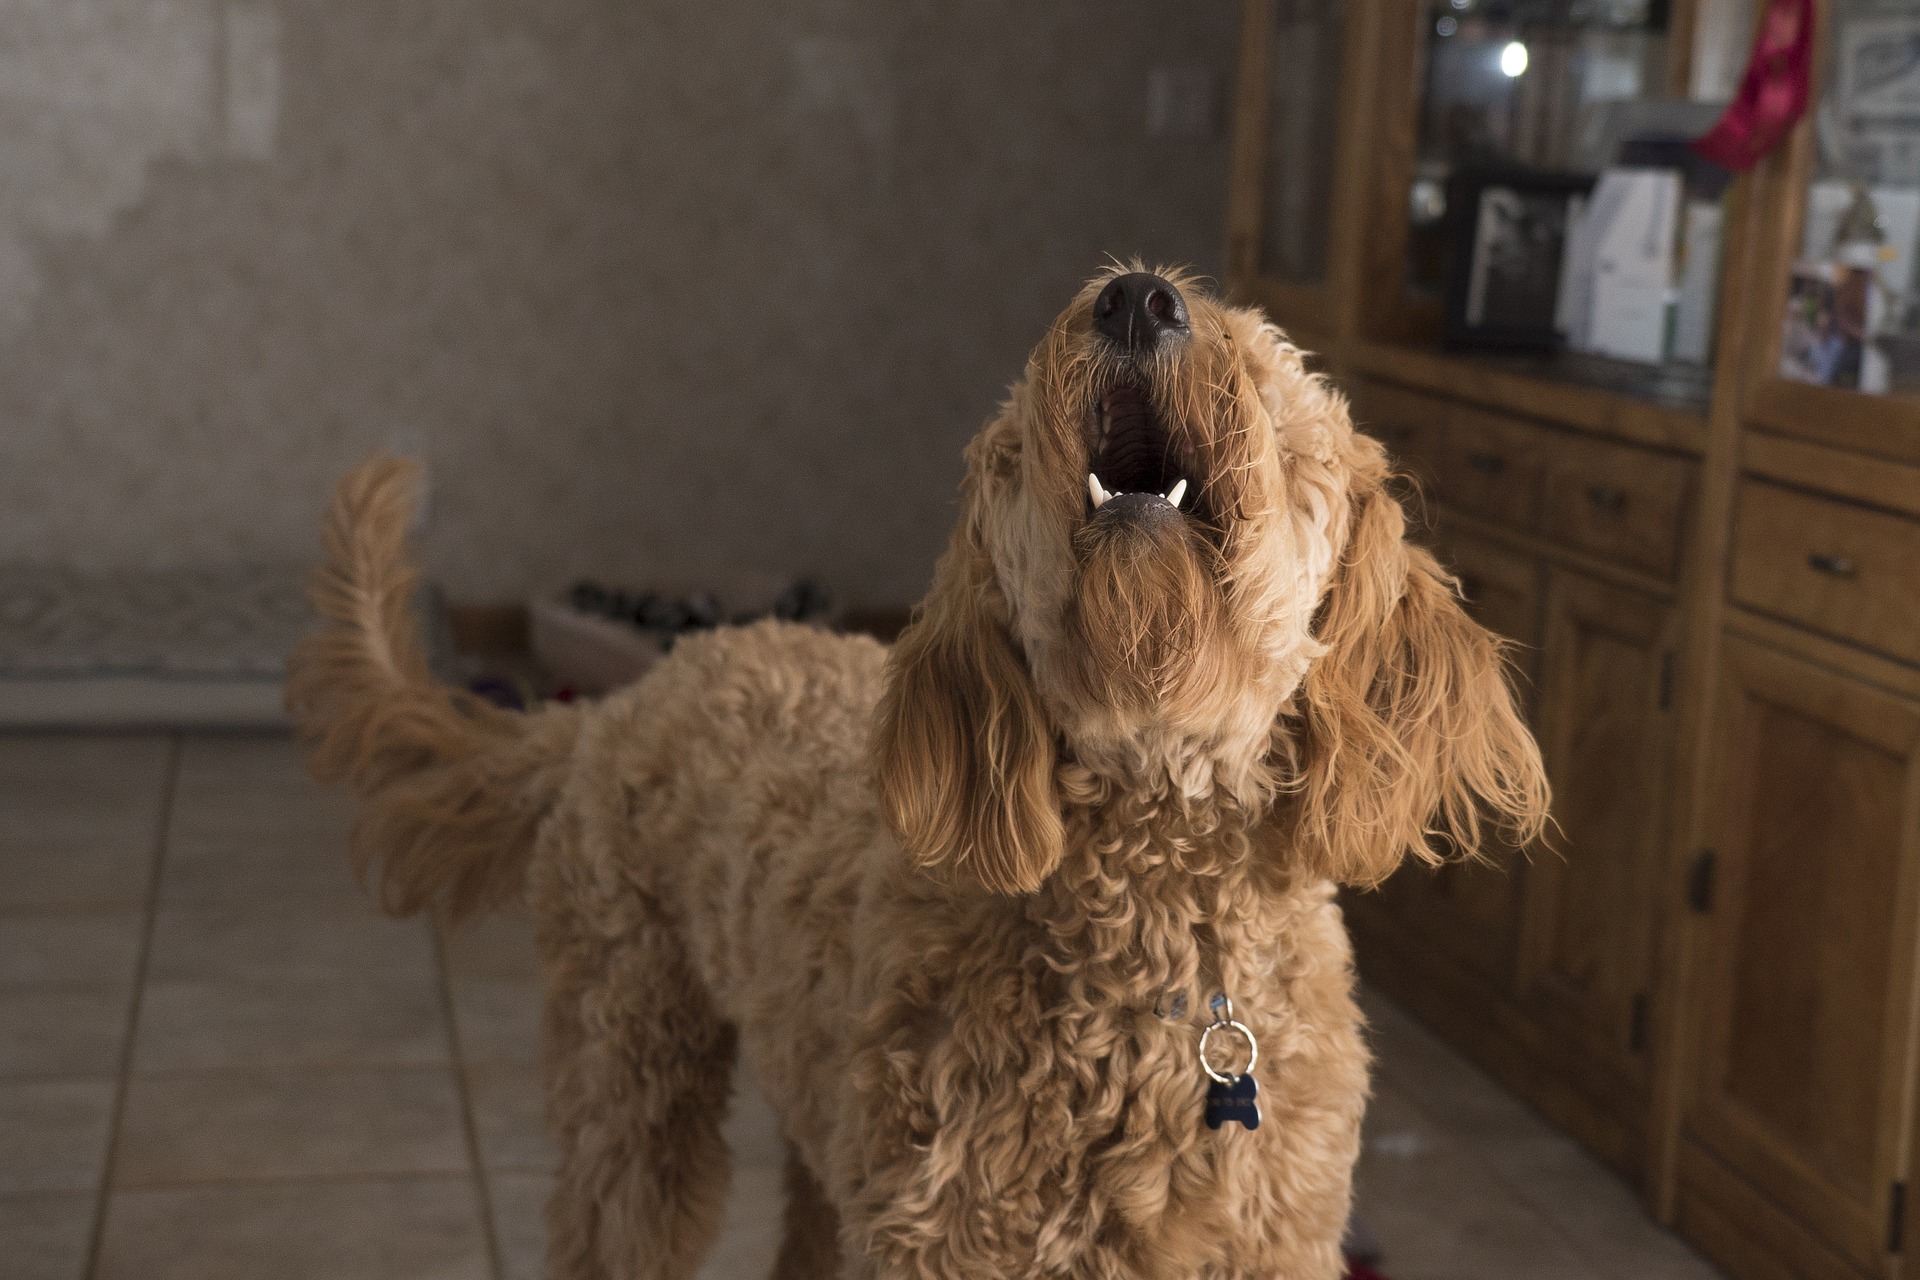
(1545,85)
(1852,317)
(1302,128)
(1553,206)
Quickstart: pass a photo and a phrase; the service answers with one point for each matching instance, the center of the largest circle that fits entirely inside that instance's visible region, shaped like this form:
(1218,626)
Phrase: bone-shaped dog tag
(1231,1096)
(1238,1102)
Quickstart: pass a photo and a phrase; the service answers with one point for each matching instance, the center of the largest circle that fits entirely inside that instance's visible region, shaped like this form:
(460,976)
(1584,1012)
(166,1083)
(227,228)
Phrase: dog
(973,906)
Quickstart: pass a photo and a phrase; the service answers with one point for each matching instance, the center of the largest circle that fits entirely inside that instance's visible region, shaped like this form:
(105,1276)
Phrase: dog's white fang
(1093,487)
(1178,492)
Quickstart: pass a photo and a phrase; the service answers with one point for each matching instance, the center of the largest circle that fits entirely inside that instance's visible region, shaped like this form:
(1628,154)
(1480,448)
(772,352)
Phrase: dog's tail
(454,789)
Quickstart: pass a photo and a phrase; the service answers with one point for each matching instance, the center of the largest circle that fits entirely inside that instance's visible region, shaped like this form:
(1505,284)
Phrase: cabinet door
(1589,933)
(1303,128)
(1806,993)
(1470,911)
(1287,128)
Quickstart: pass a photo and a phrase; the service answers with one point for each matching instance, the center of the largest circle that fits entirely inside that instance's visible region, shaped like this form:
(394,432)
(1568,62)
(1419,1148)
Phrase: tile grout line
(309,1178)
(156,868)
(482,1184)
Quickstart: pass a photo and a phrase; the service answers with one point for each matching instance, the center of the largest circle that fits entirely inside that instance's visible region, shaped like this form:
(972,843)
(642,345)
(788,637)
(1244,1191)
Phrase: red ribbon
(1773,91)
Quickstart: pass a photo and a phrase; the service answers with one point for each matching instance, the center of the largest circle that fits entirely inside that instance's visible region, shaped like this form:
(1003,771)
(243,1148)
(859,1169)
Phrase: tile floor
(216,1062)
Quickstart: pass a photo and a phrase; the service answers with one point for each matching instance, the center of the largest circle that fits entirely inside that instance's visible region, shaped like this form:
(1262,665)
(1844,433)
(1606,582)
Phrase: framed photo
(1879,69)
(1823,333)
(1509,238)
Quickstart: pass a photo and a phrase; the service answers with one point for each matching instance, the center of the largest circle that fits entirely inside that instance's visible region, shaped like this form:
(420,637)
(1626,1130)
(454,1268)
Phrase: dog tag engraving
(1238,1102)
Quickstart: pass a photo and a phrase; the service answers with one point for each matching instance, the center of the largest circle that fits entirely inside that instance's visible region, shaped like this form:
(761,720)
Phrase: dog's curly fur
(945,897)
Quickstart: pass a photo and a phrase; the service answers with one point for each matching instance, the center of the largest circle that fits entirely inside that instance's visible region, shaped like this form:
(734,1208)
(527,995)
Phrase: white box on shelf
(1634,214)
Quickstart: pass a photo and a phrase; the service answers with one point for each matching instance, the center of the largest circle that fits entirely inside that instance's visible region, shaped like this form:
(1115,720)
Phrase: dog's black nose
(1138,310)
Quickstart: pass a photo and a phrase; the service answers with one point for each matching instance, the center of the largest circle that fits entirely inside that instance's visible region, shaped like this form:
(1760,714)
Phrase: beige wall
(653,286)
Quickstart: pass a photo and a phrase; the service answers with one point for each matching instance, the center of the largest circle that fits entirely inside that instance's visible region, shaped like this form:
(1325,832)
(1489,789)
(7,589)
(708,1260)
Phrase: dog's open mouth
(1135,467)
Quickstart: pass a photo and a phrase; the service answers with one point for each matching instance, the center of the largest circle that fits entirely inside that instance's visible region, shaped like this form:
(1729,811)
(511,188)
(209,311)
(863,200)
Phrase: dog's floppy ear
(964,749)
(1405,727)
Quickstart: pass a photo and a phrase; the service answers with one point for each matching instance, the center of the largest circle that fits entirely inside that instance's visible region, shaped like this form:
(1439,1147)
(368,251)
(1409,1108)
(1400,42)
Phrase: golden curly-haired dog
(965,904)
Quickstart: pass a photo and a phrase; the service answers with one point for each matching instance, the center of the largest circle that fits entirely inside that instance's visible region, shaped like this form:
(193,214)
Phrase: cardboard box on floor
(593,654)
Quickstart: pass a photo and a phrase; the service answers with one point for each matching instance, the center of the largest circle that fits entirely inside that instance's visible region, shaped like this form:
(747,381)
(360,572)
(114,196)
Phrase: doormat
(191,648)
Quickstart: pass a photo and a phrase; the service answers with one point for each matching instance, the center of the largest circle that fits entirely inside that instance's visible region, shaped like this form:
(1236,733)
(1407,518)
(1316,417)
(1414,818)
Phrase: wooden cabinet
(1710,973)
(1805,1073)
(1543,961)
(1592,905)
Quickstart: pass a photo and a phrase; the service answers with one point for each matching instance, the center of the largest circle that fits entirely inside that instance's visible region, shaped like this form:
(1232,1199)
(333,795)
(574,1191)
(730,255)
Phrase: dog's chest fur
(980,1083)
(1013,1100)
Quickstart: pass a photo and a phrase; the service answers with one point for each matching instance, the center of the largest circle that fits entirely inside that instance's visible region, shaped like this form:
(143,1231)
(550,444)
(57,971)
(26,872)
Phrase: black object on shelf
(1509,237)
(669,617)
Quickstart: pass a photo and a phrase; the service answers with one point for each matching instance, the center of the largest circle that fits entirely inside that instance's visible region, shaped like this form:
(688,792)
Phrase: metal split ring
(1253,1050)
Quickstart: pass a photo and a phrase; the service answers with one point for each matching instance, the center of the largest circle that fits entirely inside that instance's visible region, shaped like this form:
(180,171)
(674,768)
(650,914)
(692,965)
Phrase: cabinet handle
(1491,463)
(1607,498)
(1833,566)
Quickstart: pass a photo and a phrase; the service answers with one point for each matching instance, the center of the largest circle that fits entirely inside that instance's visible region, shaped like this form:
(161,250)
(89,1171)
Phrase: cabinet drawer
(1408,423)
(1844,570)
(1616,501)
(1502,588)
(1492,466)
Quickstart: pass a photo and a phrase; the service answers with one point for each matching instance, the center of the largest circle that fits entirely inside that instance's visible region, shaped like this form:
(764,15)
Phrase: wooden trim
(1573,1006)
(1781,179)
(1703,590)
(1892,485)
(1886,720)
(1683,22)
(1557,554)
(1884,426)
(1568,403)
(1389,313)
(1836,655)
(1321,316)
(1360,118)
